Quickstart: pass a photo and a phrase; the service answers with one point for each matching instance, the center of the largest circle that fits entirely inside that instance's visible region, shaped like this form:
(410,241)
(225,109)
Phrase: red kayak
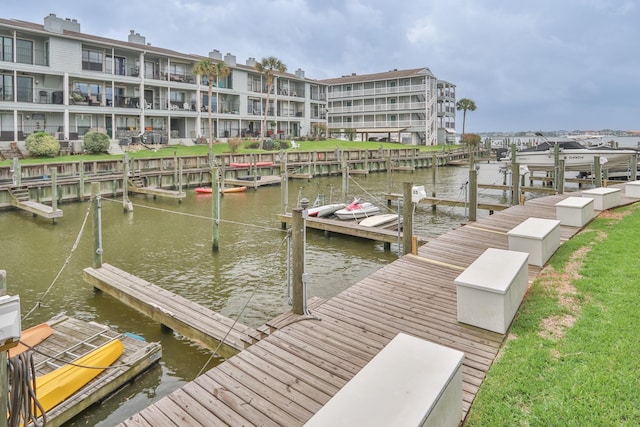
(208,190)
(247,164)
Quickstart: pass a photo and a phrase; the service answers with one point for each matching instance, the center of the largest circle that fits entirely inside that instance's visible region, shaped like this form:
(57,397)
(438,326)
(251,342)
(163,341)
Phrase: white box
(536,236)
(603,197)
(575,211)
(632,189)
(10,322)
(411,382)
(491,289)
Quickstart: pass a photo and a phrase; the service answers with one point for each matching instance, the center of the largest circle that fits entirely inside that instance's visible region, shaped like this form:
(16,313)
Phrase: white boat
(378,220)
(357,210)
(573,153)
(325,210)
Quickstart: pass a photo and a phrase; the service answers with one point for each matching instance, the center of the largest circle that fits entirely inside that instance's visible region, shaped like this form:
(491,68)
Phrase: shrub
(276,145)
(96,142)
(41,144)
(234,144)
(253,145)
(268,144)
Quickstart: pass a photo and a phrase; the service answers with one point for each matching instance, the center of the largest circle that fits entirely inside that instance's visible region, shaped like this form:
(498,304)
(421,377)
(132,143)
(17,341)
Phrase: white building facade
(55,78)
(399,105)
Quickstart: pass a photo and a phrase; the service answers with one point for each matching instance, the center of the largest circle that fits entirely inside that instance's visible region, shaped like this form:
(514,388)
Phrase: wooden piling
(473,193)
(297,260)
(4,385)
(215,202)
(598,170)
(407,212)
(97,226)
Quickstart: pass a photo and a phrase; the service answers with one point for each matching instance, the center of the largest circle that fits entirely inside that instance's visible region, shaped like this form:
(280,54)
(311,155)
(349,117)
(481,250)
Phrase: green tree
(268,67)
(465,105)
(207,68)
(41,144)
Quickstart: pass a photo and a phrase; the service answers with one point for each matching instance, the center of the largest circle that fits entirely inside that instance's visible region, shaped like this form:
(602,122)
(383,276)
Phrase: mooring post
(473,192)
(180,161)
(561,165)
(127,206)
(54,190)
(515,182)
(407,222)
(598,170)
(97,225)
(433,180)
(297,262)
(215,202)
(345,179)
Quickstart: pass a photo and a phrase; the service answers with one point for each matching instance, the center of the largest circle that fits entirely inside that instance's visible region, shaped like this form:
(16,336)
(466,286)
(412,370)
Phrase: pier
(287,376)
(195,322)
(73,338)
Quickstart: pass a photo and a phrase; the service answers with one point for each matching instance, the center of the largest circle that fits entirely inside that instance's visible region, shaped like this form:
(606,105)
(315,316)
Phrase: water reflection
(169,244)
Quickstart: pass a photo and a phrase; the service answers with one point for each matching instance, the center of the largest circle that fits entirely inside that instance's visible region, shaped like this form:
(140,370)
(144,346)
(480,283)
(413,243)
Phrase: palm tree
(207,68)
(465,104)
(267,67)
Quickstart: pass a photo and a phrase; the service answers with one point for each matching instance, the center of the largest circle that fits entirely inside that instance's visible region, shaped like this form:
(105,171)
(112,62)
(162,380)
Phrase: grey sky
(536,65)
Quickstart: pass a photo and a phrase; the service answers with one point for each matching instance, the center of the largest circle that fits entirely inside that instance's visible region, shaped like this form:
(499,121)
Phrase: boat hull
(357,211)
(31,337)
(208,190)
(378,220)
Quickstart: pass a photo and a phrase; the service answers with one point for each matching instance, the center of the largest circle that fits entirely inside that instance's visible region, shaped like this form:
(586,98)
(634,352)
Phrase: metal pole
(97,225)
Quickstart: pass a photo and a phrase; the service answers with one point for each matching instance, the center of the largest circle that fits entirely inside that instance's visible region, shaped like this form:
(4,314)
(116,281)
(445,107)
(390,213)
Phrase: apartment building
(55,78)
(398,105)
(446,121)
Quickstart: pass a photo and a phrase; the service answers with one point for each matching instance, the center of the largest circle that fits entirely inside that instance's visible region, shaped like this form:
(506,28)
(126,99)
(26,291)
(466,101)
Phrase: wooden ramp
(73,338)
(173,311)
(286,377)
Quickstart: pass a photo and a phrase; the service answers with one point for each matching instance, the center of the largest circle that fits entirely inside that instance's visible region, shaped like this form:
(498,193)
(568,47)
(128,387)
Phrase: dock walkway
(198,323)
(286,377)
(73,338)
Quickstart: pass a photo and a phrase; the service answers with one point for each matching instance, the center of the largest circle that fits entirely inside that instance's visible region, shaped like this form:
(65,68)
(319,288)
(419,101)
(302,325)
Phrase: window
(178,96)
(25,89)
(92,60)
(24,51)
(6,87)
(6,49)
(117,64)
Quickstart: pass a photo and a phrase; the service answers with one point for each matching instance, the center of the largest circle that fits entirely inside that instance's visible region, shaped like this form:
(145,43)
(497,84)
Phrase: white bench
(603,197)
(632,189)
(536,236)
(411,382)
(491,289)
(575,211)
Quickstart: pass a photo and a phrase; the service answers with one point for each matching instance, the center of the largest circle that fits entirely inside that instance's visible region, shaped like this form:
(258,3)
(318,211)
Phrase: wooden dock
(286,377)
(39,209)
(74,338)
(136,185)
(195,322)
(254,183)
(448,202)
(349,228)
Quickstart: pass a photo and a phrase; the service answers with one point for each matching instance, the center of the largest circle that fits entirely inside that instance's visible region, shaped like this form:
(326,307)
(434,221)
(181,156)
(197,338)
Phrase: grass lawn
(572,357)
(222,148)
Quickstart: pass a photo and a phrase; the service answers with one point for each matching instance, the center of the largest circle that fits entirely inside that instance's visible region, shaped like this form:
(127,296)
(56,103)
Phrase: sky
(528,65)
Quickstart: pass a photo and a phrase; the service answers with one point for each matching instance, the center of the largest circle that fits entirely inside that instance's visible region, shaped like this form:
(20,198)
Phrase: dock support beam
(215,201)
(4,385)
(473,192)
(97,225)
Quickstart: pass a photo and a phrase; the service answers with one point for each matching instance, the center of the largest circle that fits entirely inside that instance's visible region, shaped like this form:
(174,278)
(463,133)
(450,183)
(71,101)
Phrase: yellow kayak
(56,386)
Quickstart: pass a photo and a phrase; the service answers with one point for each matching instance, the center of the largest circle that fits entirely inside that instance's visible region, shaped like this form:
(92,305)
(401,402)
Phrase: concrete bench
(536,236)
(491,289)
(632,189)
(575,211)
(603,197)
(411,382)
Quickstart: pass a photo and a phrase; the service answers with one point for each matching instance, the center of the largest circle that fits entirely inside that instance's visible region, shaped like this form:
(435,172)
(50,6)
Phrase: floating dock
(136,185)
(254,183)
(210,329)
(73,338)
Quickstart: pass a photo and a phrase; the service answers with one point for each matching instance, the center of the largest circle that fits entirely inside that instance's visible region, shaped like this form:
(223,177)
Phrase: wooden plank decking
(285,378)
(198,323)
(74,338)
(39,209)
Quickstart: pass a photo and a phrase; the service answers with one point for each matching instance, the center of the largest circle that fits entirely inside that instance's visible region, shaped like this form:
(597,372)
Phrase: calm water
(169,244)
